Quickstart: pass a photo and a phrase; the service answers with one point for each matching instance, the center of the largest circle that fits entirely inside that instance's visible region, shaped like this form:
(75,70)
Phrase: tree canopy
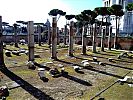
(55,12)
(129,7)
(19,21)
(25,23)
(5,23)
(117,10)
(116,7)
(15,25)
(79,17)
(86,15)
(101,10)
(69,17)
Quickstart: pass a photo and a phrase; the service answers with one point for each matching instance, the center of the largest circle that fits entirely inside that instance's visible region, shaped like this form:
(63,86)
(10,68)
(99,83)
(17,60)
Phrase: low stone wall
(124,42)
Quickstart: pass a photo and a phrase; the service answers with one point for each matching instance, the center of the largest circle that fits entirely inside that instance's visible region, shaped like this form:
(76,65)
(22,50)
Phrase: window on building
(119,1)
(113,2)
(107,3)
(104,4)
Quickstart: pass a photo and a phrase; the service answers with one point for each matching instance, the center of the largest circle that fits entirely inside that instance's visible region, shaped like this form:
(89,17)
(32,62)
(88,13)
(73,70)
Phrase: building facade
(126,21)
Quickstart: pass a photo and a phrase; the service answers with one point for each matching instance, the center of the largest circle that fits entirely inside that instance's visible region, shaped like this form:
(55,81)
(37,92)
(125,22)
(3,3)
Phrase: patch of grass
(95,89)
(42,60)
(70,70)
(119,92)
(21,94)
(113,52)
(116,92)
(24,72)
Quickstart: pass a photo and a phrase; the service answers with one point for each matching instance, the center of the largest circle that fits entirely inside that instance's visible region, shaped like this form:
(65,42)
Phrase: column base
(54,58)
(83,53)
(71,55)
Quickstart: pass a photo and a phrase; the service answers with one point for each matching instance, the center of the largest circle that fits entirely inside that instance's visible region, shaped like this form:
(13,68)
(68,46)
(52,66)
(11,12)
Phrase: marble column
(54,38)
(71,40)
(39,34)
(1,44)
(31,40)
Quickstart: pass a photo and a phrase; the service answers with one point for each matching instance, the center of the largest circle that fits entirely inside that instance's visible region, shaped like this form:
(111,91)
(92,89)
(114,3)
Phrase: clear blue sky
(80,5)
(37,10)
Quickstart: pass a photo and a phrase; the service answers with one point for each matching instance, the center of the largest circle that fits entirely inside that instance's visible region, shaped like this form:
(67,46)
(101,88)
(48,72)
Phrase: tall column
(54,38)
(65,33)
(84,40)
(15,35)
(1,44)
(109,38)
(94,39)
(102,39)
(116,34)
(71,38)
(39,34)
(49,35)
(102,35)
(91,30)
(30,29)
(58,38)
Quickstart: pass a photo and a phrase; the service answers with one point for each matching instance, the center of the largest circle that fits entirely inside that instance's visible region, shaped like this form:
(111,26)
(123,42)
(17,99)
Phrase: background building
(126,21)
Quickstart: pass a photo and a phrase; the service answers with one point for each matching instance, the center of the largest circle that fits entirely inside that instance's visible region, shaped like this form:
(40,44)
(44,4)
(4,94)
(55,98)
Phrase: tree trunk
(65,33)
(109,38)
(102,37)
(54,39)
(31,40)
(84,40)
(39,34)
(71,39)
(115,38)
(94,39)
(1,44)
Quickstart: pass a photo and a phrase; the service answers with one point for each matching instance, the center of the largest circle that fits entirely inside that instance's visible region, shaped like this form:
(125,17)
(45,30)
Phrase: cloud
(27,10)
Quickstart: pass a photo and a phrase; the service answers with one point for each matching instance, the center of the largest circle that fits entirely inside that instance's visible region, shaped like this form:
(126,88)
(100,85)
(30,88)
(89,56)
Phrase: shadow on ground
(75,79)
(38,94)
(92,69)
(119,66)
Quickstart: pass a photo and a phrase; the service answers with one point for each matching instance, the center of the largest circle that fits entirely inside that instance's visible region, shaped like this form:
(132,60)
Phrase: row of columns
(71,39)
(30,29)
